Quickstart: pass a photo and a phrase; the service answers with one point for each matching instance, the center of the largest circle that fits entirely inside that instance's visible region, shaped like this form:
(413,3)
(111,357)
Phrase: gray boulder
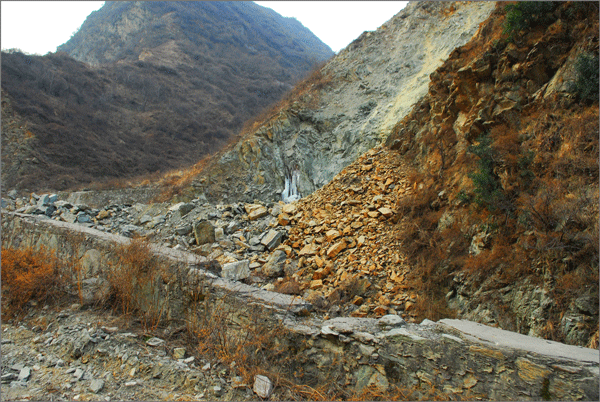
(274,266)
(204,232)
(236,271)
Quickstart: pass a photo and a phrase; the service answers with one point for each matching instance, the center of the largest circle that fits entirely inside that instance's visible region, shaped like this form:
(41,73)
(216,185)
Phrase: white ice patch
(290,192)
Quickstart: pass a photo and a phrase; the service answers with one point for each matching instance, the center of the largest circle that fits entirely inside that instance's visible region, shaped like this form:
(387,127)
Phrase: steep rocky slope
(483,205)
(342,110)
(168,83)
(487,205)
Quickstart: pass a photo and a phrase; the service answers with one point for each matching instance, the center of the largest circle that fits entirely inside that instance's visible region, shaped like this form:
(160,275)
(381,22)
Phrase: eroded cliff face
(346,108)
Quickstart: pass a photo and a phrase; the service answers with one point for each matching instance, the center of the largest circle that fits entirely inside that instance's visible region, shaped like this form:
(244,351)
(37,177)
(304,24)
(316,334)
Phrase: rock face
(347,108)
(170,82)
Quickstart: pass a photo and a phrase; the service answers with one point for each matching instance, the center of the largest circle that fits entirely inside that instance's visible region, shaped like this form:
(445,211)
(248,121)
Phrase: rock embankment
(84,355)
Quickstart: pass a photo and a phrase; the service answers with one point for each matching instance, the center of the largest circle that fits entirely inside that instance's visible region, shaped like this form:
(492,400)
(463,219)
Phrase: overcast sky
(38,27)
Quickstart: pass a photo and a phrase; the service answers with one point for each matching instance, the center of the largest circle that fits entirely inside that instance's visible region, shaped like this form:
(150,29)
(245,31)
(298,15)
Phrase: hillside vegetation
(503,223)
(146,87)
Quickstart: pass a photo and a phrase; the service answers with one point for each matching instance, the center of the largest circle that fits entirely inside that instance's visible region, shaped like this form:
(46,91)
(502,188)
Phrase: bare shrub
(132,276)
(29,275)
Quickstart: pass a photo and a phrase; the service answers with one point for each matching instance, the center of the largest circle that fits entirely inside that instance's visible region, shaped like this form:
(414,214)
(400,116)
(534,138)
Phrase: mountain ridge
(160,106)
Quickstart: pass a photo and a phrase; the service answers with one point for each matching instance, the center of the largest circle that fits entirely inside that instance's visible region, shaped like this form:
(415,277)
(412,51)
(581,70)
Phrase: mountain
(480,197)
(145,87)
(340,111)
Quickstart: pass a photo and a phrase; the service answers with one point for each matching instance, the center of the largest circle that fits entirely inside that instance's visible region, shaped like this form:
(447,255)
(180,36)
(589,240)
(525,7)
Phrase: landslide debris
(497,220)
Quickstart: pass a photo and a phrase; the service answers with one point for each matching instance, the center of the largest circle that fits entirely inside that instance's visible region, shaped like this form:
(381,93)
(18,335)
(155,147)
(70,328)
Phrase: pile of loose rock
(332,240)
(75,354)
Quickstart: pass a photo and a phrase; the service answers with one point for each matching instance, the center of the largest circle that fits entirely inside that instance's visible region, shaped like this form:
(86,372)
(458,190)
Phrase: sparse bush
(132,278)
(488,191)
(29,275)
(586,86)
(526,14)
(241,337)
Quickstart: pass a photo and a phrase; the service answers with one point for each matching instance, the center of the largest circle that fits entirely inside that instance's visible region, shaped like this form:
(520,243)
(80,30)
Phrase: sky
(38,27)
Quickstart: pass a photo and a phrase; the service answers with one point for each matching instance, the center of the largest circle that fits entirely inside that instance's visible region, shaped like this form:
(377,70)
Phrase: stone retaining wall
(464,360)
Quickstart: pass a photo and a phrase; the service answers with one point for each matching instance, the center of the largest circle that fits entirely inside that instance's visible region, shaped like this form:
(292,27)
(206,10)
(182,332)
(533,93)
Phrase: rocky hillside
(342,110)
(486,206)
(148,87)
(483,204)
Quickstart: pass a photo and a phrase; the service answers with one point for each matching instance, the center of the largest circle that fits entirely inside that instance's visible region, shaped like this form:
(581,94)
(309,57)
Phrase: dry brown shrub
(132,276)
(240,336)
(29,275)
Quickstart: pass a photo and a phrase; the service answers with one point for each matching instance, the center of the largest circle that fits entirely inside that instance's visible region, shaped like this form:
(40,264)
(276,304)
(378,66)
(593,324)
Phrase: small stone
(391,320)
(283,219)
(470,381)
(96,386)
(155,341)
(255,211)
(236,271)
(178,353)
(102,215)
(275,264)
(78,374)
(82,217)
(183,208)
(332,234)
(219,234)
(335,249)
(237,382)
(386,212)
(289,209)
(24,374)
(380,310)
(8,377)
(309,249)
(263,386)
(272,239)
(204,232)
(183,230)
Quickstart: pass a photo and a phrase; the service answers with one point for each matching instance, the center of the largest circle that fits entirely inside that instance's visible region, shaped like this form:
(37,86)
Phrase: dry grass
(240,336)
(29,275)
(132,276)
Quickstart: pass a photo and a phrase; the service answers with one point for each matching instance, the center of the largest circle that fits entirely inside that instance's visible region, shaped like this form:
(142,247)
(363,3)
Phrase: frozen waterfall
(290,192)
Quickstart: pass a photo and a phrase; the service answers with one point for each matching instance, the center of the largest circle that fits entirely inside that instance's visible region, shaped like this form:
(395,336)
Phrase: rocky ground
(293,248)
(72,353)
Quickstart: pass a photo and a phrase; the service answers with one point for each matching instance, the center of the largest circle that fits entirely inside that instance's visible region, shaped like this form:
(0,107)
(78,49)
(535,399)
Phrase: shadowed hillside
(157,85)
